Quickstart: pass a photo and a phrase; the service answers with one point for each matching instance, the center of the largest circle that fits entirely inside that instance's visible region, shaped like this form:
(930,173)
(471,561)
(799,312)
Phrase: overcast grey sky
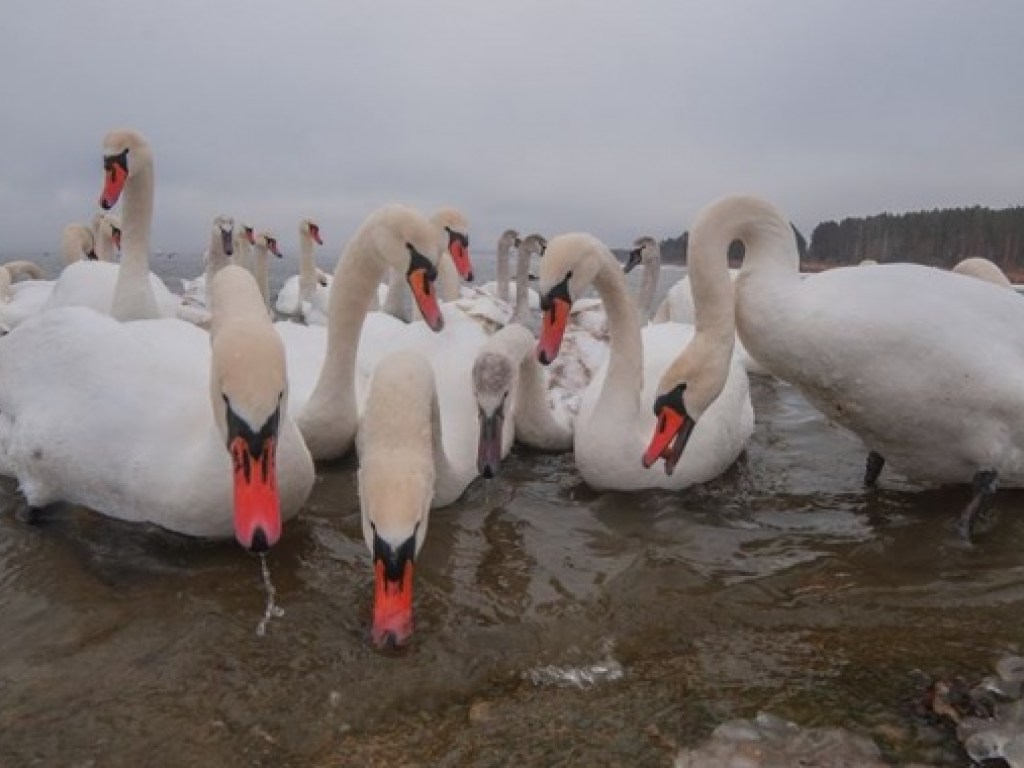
(619,118)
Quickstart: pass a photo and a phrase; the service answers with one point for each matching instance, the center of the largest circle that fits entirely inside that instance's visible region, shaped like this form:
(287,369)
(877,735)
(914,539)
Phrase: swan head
(645,250)
(267,241)
(124,151)
(246,233)
(249,391)
(395,511)
(407,242)
(494,375)
(456,230)
(983,269)
(508,239)
(82,242)
(570,264)
(309,228)
(686,390)
(222,233)
(534,245)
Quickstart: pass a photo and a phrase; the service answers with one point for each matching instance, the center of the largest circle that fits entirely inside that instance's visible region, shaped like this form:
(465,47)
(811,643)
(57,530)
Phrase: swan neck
(648,289)
(625,358)
(502,266)
(307,267)
(133,294)
(522,285)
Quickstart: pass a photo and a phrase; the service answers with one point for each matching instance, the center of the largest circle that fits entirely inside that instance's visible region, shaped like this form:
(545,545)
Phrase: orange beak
(315,234)
(670,437)
(460,256)
(257,504)
(556,317)
(392,593)
(250,236)
(115,176)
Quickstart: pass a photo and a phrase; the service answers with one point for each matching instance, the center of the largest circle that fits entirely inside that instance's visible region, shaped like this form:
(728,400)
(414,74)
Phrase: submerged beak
(421,276)
(634,260)
(392,592)
(115,169)
(672,431)
(488,453)
(115,235)
(458,247)
(257,502)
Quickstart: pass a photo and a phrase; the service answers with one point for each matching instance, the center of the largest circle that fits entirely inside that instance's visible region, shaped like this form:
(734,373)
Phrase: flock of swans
(204,416)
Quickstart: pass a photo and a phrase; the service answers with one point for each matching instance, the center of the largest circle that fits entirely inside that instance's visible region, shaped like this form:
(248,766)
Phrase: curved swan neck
(216,258)
(535,424)
(133,294)
(328,421)
(625,358)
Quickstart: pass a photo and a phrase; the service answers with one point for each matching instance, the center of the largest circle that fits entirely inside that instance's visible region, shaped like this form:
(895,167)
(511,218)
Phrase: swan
(646,252)
(77,243)
(409,463)
(326,386)
(615,414)
(924,366)
(506,241)
(157,421)
(128,291)
(305,295)
(217,256)
(21,300)
(510,390)
(983,269)
(455,262)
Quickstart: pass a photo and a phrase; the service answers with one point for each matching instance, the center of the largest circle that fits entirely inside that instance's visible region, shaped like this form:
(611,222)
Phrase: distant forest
(940,238)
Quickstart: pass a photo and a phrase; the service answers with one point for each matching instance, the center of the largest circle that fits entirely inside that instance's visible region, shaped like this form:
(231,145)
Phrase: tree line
(940,238)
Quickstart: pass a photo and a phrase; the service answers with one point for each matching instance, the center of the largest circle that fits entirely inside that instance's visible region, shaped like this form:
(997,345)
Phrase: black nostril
(259,541)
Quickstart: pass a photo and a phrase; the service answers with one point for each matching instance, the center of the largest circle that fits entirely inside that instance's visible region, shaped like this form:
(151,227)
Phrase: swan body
(925,367)
(615,413)
(305,295)
(136,420)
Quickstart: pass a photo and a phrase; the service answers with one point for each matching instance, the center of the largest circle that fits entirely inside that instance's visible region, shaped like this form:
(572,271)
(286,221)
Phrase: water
(555,625)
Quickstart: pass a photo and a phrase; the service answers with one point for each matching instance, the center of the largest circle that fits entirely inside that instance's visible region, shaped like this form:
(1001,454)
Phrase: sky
(616,118)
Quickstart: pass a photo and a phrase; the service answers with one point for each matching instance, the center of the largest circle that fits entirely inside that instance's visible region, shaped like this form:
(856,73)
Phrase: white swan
(983,269)
(615,416)
(511,393)
(305,295)
(217,256)
(128,291)
(157,421)
(923,365)
(646,252)
(415,453)
(327,388)
(21,300)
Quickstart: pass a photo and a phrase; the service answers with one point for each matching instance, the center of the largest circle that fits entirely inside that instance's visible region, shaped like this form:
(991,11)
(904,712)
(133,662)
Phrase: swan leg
(985,483)
(874,468)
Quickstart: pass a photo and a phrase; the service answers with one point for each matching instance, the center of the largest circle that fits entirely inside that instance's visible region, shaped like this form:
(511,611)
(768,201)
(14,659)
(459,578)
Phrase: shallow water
(555,625)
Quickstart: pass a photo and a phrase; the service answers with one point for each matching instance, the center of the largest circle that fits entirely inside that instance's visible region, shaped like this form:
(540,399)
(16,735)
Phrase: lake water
(555,625)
